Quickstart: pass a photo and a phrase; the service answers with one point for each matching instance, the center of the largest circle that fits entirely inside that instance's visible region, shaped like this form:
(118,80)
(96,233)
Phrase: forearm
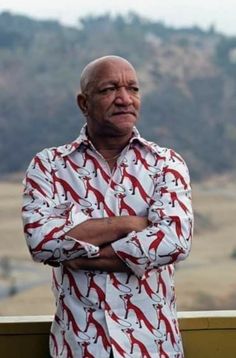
(107,261)
(167,239)
(45,233)
(46,218)
(106,230)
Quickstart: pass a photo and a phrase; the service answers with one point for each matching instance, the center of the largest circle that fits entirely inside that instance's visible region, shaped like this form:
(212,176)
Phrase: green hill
(188,79)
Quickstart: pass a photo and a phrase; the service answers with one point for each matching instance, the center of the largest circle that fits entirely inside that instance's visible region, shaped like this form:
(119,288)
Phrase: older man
(112,213)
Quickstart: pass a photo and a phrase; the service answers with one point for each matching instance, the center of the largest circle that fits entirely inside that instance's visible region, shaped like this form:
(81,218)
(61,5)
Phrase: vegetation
(233,254)
(187,76)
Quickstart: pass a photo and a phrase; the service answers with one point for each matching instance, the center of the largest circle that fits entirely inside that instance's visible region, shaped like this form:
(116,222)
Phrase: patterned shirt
(132,314)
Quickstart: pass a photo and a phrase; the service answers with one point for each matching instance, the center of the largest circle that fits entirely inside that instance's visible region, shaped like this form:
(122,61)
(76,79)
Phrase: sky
(177,13)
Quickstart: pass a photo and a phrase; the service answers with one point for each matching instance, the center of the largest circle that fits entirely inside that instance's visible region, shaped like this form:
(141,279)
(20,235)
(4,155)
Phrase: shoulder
(167,154)
(44,160)
(54,153)
(47,154)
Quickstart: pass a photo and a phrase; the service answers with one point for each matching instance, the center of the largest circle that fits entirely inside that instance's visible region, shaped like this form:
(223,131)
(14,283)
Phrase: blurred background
(185,55)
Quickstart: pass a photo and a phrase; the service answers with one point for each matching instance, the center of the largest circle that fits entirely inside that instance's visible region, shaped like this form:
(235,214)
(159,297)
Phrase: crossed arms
(102,232)
(125,242)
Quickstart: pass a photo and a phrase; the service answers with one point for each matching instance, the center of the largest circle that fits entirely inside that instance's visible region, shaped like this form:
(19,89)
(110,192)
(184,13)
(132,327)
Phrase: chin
(127,120)
(124,129)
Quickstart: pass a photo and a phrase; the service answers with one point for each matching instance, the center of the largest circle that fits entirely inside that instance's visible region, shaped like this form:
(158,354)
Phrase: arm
(56,232)
(99,232)
(107,261)
(46,220)
(168,238)
(106,230)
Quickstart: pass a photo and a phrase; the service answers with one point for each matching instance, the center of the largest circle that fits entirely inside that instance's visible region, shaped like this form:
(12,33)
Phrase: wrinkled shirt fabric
(131,315)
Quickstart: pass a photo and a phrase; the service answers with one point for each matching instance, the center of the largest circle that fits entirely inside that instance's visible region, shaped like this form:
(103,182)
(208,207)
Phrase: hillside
(188,79)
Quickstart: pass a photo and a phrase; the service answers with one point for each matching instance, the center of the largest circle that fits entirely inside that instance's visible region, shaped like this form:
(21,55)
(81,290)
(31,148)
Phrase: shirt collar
(153,147)
(83,139)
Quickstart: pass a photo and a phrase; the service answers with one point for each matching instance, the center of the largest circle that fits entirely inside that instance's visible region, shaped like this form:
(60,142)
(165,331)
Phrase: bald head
(109,98)
(90,72)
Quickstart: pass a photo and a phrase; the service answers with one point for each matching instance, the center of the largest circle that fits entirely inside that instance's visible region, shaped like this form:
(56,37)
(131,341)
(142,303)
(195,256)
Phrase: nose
(123,96)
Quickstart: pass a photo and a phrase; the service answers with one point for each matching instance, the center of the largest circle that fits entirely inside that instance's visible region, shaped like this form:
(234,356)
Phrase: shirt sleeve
(168,237)
(47,220)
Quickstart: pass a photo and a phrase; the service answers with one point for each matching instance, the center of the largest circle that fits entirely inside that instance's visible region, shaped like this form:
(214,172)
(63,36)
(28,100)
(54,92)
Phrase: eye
(133,89)
(107,90)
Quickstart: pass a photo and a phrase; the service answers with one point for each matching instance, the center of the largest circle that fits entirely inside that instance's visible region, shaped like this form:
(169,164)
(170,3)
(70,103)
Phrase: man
(112,213)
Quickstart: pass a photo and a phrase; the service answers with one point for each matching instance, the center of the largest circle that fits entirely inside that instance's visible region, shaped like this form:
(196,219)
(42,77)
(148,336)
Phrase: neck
(110,144)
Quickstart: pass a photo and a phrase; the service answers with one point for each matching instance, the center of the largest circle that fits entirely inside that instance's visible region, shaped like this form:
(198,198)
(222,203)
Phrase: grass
(206,280)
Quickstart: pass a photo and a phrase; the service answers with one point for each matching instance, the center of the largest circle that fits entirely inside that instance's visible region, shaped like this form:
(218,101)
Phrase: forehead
(113,72)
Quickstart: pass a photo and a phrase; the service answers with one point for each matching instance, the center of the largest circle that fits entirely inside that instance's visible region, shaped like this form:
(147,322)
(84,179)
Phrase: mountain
(188,82)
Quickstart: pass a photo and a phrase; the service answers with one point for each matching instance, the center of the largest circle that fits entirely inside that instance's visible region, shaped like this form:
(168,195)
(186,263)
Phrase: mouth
(124,113)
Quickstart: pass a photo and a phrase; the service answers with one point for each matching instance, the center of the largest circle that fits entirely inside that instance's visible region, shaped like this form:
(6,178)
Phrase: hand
(107,261)
(139,223)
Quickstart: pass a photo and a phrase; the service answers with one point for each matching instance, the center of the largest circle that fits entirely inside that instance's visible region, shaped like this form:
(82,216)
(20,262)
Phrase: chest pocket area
(131,198)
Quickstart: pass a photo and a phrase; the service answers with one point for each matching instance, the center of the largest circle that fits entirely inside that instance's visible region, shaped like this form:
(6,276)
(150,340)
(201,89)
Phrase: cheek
(94,108)
(99,111)
(102,105)
(105,107)
(137,103)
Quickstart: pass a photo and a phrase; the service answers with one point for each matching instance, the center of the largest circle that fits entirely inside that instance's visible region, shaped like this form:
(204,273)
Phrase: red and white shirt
(132,314)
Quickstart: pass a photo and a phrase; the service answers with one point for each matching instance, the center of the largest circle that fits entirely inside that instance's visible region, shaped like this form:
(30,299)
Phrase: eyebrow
(114,82)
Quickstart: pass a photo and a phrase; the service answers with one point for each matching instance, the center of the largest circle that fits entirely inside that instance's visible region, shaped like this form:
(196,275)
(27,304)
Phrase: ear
(82,103)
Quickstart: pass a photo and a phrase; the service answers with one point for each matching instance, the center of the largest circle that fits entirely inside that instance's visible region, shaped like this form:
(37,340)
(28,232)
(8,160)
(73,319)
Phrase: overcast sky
(220,13)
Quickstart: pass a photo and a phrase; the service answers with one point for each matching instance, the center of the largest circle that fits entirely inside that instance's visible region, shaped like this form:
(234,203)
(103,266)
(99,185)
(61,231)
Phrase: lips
(123,113)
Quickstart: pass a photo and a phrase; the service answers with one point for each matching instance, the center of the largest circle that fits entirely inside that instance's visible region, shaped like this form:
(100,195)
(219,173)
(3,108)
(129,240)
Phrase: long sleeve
(47,218)
(168,237)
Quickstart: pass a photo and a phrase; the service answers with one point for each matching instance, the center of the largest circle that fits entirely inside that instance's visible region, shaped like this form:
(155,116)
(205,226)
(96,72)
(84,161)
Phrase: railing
(207,334)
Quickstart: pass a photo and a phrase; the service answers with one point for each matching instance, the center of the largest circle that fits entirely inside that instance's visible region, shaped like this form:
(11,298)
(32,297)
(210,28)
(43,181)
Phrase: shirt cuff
(129,253)
(90,249)
(75,218)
